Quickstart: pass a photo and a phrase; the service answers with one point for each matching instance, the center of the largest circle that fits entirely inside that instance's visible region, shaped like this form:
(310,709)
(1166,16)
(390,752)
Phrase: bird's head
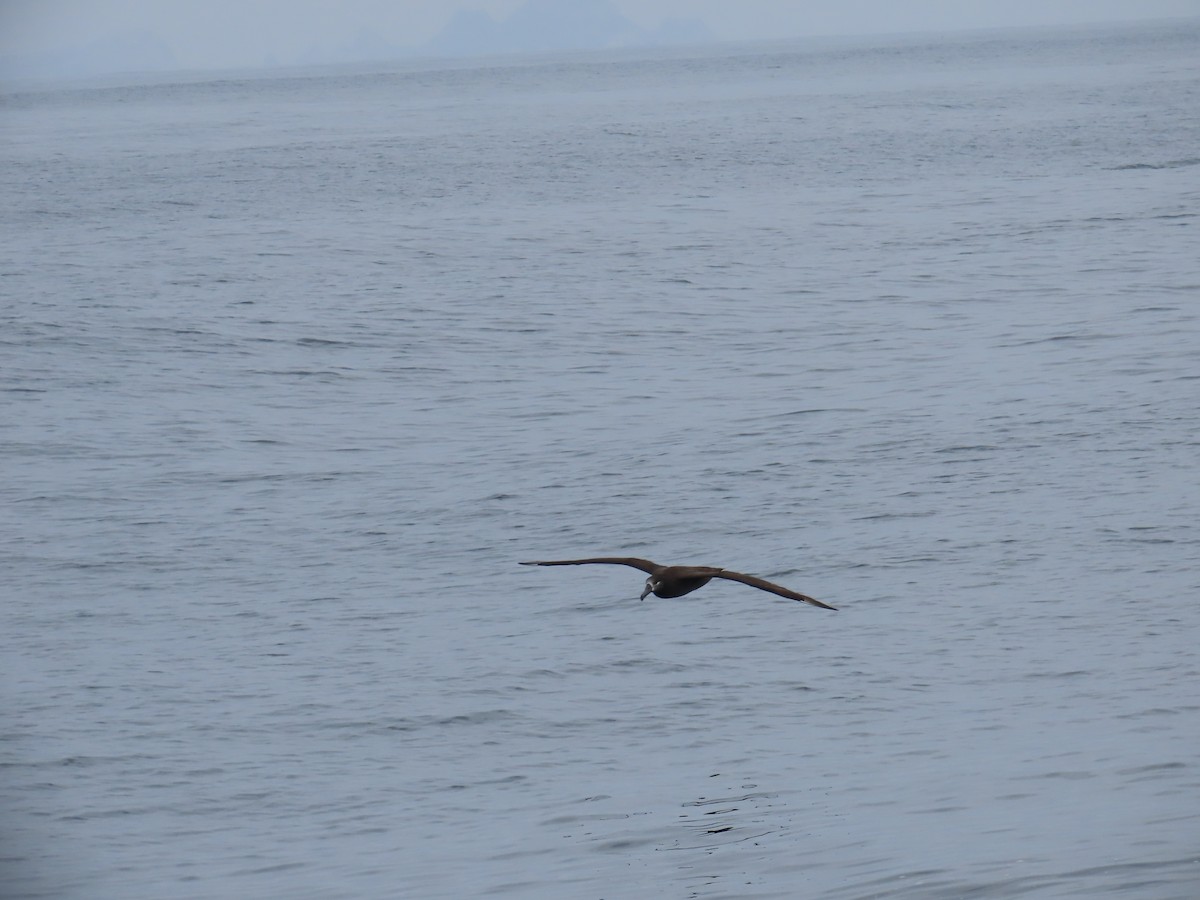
(651,587)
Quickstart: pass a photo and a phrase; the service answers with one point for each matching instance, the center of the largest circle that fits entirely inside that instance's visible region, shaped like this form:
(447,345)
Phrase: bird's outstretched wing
(763,585)
(644,564)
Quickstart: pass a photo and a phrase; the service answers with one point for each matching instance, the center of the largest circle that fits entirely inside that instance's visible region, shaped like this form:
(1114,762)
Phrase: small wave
(323,342)
(1170,164)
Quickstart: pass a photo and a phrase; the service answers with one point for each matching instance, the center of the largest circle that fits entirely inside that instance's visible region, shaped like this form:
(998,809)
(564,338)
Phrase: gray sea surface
(296,367)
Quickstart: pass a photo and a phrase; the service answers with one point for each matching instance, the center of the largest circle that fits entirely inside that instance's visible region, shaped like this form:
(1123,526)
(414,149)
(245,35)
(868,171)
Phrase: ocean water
(298,366)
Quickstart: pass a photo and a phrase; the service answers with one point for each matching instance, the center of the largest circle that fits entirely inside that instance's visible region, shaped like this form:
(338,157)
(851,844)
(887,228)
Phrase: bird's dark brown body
(675,581)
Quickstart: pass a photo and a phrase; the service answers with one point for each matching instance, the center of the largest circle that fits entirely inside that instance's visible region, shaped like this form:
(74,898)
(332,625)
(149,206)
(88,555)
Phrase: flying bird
(675,581)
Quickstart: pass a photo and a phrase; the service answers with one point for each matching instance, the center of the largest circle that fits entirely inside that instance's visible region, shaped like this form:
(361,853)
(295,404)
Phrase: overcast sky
(236,33)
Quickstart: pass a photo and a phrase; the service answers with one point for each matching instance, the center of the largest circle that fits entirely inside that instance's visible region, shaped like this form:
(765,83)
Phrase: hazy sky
(230,33)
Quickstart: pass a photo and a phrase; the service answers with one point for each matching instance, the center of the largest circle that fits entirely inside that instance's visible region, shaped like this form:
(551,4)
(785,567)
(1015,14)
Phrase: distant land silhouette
(538,26)
(544,25)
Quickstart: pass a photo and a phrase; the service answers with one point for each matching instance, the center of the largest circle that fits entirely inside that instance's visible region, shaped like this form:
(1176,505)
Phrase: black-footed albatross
(675,581)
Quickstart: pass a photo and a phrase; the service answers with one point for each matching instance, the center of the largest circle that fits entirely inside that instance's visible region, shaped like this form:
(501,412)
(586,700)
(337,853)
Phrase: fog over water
(297,368)
(81,38)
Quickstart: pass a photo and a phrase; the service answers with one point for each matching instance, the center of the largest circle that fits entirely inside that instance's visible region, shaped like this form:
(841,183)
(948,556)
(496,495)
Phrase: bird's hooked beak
(646,591)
